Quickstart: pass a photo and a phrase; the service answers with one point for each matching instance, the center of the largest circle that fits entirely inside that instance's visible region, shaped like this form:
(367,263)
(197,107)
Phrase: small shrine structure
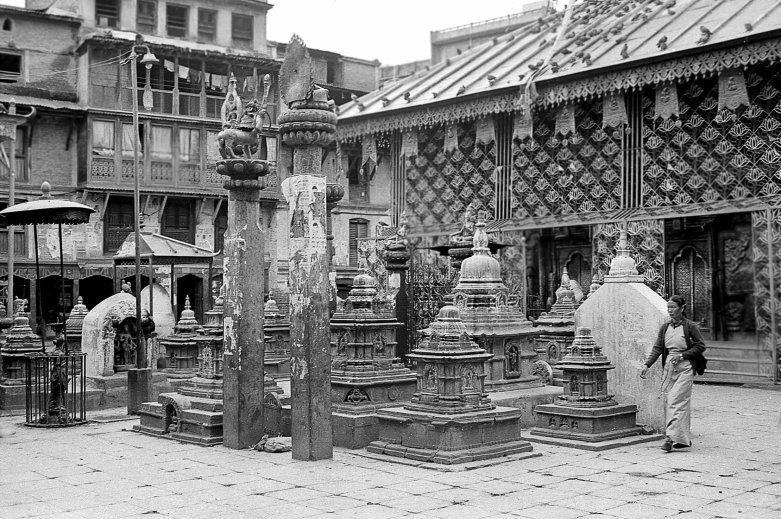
(557,328)
(193,413)
(586,415)
(493,320)
(366,373)
(74,324)
(20,340)
(180,348)
(450,418)
(276,327)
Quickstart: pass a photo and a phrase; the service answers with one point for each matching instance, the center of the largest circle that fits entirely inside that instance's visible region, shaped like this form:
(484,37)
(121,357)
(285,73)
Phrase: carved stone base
(449,439)
(595,424)
(525,400)
(183,418)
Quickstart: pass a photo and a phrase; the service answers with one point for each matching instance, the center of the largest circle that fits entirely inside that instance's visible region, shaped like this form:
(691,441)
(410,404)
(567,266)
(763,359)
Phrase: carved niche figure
(512,359)
(379,344)
(468,378)
(124,342)
(356,396)
(341,343)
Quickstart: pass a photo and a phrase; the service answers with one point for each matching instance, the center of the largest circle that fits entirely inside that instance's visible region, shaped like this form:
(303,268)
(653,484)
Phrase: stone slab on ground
(732,470)
(593,446)
(526,400)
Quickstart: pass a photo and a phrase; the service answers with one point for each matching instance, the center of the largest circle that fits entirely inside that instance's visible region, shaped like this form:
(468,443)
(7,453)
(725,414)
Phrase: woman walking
(681,346)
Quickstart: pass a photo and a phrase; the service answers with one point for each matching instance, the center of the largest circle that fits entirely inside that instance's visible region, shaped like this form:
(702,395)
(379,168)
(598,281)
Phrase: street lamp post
(139,380)
(9,120)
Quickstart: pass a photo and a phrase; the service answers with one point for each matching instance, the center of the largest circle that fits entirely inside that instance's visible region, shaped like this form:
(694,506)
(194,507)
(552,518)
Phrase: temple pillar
(308,127)
(243,276)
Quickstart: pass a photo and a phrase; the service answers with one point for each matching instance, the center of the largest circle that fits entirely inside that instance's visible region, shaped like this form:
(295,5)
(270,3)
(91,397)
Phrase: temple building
(662,119)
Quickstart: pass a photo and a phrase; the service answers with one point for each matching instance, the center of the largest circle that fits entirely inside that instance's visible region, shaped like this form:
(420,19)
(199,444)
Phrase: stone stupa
(450,418)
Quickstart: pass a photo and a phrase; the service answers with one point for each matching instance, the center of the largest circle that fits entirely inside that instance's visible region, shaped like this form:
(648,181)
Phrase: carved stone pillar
(308,127)
(243,321)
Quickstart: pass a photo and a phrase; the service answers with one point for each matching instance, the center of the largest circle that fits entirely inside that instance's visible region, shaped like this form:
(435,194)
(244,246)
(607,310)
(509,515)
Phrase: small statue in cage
(58,377)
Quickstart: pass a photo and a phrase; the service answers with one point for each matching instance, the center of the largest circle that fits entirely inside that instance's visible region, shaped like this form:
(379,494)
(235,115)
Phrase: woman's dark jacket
(695,346)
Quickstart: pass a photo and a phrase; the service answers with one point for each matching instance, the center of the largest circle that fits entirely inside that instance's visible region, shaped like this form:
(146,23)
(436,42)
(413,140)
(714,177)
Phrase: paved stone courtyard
(103,470)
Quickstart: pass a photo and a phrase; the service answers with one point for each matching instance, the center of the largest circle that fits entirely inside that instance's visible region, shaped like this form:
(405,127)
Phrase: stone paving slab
(104,470)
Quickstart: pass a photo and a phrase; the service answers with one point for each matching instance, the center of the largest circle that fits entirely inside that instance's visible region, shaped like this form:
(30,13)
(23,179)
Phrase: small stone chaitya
(586,411)
(557,328)
(276,326)
(194,413)
(450,418)
(181,348)
(74,324)
(366,374)
(493,320)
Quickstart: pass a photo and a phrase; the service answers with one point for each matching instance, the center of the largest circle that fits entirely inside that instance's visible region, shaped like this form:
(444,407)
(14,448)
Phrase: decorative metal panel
(646,245)
(766,239)
(579,173)
(709,154)
(441,184)
(431,279)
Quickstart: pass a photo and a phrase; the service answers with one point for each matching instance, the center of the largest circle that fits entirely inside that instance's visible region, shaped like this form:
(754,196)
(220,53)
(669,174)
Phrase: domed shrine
(492,319)
(450,418)
(366,373)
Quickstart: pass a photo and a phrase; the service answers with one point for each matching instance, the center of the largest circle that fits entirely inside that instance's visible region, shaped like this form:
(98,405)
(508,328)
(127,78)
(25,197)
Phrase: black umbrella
(47,210)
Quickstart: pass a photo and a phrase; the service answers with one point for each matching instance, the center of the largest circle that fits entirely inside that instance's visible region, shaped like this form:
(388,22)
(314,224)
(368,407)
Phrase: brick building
(66,60)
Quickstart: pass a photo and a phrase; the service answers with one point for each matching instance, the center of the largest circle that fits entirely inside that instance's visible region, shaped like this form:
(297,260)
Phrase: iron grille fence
(55,389)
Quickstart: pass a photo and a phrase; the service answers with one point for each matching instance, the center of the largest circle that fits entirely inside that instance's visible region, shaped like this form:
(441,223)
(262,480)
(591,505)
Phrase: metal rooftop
(601,37)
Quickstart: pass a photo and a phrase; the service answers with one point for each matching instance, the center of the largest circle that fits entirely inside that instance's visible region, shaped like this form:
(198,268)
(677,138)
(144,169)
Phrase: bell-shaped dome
(623,264)
(480,266)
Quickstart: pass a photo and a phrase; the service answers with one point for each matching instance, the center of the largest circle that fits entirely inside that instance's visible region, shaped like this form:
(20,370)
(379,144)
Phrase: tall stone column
(308,126)
(243,379)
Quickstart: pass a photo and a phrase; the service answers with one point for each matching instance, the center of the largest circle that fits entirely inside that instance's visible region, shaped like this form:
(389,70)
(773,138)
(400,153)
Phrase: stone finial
(270,309)
(565,297)
(595,284)
(187,322)
(623,268)
(584,344)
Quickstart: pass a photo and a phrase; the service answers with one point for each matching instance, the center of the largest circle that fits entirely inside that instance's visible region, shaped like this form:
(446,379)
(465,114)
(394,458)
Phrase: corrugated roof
(602,36)
(156,43)
(163,249)
(40,102)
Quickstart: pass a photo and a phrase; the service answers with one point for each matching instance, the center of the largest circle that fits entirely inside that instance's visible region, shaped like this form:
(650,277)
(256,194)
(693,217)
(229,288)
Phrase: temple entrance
(126,334)
(94,289)
(192,286)
(710,262)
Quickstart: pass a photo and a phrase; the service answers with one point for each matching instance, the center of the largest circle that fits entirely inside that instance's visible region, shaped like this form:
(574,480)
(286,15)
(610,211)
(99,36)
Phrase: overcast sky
(392,31)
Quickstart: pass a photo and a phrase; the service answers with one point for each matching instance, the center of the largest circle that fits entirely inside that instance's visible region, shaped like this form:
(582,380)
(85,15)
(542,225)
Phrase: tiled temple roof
(608,45)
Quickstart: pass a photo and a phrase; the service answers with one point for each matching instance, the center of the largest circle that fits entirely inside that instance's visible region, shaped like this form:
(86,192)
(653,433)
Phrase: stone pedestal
(625,316)
(450,418)
(366,374)
(277,329)
(308,126)
(586,414)
(557,328)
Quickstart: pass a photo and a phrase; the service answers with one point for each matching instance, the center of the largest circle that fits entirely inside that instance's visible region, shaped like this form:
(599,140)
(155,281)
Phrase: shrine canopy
(573,56)
(162,250)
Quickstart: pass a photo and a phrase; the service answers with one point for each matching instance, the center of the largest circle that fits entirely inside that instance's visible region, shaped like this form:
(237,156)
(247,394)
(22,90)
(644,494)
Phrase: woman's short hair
(678,300)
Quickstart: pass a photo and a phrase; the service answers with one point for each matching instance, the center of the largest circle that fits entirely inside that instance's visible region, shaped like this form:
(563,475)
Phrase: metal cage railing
(56,392)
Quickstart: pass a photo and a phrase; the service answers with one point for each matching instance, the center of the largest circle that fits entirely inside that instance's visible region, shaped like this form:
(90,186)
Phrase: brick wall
(48,60)
(53,151)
